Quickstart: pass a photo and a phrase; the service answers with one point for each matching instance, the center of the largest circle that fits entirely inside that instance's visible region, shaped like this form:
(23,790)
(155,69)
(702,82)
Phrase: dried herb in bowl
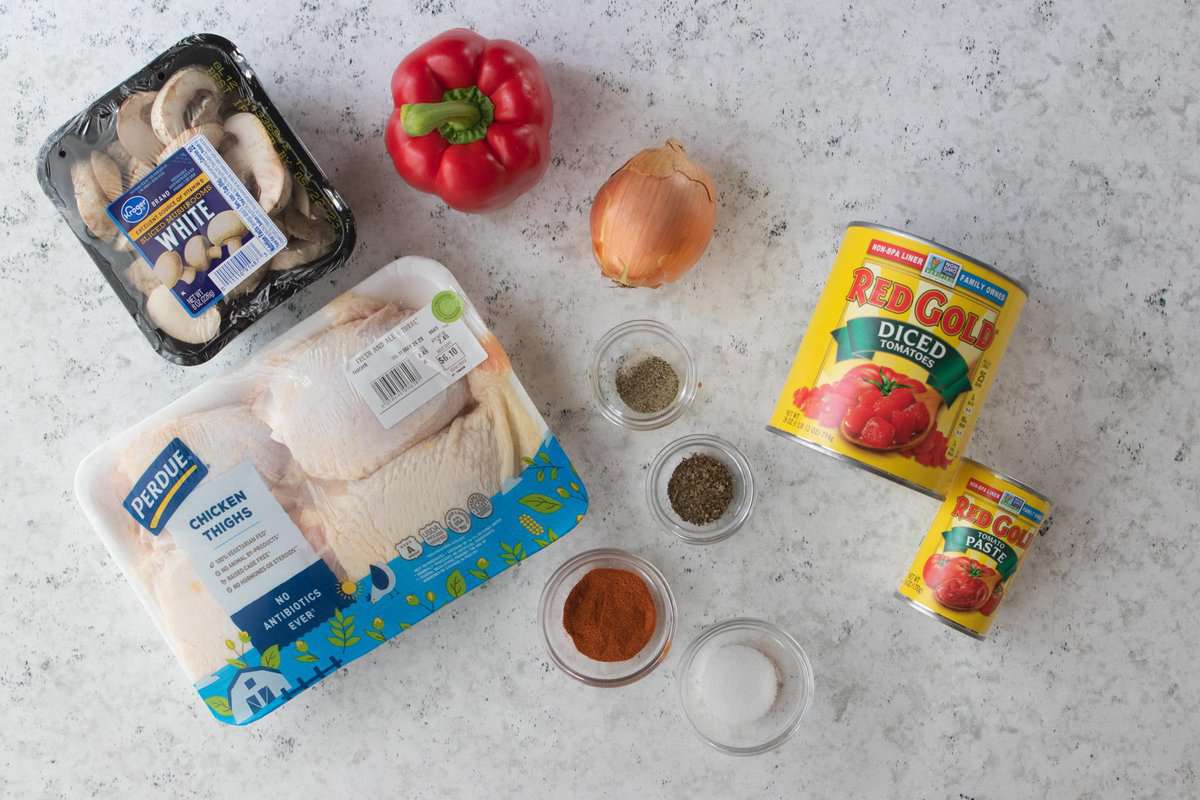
(700,489)
(648,385)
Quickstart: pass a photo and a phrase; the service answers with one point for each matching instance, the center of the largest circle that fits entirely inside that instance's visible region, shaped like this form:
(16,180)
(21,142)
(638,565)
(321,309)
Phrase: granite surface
(1058,139)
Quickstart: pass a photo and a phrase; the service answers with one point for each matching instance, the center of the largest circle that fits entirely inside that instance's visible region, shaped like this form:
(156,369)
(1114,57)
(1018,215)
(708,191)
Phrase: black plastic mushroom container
(313,215)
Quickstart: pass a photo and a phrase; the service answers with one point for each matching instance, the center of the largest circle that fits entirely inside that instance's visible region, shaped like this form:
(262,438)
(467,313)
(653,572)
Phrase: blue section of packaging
(163,487)
(982,287)
(476,543)
(291,609)
(1032,514)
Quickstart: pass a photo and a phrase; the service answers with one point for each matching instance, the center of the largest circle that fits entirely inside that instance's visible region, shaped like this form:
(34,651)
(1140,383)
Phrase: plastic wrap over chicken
(377,461)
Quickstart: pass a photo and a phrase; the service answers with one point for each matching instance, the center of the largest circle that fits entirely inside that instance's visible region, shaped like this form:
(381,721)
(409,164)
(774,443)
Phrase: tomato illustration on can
(971,553)
(899,356)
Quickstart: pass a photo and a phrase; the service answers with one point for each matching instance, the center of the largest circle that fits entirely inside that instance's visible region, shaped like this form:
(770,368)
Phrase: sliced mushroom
(206,109)
(165,311)
(132,169)
(188,275)
(223,228)
(121,243)
(117,152)
(108,174)
(91,201)
(168,267)
(173,109)
(133,127)
(141,276)
(300,198)
(295,255)
(195,252)
(316,230)
(213,131)
(137,171)
(248,284)
(253,158)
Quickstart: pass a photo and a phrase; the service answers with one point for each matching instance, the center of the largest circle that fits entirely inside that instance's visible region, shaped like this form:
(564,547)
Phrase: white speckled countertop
(1057,139)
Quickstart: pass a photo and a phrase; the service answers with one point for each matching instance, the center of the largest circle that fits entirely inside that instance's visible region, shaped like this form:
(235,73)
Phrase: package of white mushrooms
(194,198)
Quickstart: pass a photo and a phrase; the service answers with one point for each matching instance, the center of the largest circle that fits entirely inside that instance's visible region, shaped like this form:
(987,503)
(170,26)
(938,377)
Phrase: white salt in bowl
(716,707)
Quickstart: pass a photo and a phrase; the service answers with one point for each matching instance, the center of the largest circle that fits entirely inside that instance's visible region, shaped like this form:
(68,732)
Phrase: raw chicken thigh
(363,520)
(311,407)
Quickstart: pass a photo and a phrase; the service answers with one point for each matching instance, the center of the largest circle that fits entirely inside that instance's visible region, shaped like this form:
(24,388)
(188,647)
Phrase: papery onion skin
(653,218)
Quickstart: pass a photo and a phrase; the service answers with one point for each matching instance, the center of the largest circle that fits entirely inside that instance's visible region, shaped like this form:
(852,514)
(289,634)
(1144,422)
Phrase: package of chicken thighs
(370,466)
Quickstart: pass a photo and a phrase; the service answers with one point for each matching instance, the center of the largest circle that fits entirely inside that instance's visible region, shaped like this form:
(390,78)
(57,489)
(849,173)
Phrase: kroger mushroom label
(197,225)
(899,356)
(968,559)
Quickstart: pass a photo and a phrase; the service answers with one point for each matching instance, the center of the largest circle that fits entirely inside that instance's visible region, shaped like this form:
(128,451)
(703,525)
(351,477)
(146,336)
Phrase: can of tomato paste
(899,356)
(970,555)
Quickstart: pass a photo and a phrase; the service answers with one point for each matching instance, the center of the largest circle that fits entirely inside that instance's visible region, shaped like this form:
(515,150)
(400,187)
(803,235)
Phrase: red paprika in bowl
(472,120)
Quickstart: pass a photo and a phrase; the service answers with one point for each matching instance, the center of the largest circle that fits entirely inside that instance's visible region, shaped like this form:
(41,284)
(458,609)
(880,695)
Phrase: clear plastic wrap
(200,86)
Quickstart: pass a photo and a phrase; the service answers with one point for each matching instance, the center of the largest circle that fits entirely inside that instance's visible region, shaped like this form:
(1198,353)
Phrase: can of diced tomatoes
(899,356)
(970,555)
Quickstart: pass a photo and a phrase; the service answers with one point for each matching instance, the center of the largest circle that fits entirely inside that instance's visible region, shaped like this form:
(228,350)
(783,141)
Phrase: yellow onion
(653,218)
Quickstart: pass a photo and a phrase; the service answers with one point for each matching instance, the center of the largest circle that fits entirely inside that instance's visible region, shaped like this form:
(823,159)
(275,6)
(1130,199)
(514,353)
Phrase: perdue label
(165,484)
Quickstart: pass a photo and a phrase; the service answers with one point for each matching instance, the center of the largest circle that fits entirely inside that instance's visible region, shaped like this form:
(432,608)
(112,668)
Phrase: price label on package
(416,360)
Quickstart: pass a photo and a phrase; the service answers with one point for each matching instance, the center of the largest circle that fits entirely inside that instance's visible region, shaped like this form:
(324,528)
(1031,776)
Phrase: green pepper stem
(422,118)
(462,117)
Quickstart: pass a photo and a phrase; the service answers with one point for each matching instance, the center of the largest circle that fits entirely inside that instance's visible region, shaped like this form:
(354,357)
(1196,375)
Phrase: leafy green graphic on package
(238,650)
(219,705)
(512,554)
(549,538)
(546,471)
(304,656)
(376,631)
(480,570)
(456,584)
(267,658)
(341,630)
(430,601)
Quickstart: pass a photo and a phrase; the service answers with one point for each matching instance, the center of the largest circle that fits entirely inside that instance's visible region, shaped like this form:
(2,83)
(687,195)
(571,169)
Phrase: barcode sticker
(396,381)
(239,265)
(416,360)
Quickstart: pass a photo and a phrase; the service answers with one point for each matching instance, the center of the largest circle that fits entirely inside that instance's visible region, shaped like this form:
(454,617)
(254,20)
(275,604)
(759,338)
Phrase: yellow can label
(899,356)
(978,540)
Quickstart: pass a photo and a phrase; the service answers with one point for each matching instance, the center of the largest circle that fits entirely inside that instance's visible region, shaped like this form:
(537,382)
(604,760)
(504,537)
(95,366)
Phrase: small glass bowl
(630,341)
(794,694)
(562,649)
(743,488)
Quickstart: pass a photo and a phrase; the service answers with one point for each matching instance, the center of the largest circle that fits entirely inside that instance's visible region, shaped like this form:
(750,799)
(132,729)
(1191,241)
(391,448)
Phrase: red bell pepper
(472,120)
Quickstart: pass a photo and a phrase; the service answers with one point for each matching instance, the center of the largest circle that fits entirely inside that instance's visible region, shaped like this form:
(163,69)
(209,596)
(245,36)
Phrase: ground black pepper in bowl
(648,385)
(700,489)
